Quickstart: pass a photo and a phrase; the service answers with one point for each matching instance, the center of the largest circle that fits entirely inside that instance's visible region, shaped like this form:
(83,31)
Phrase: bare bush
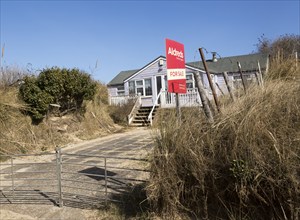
(286,45)
(10,76)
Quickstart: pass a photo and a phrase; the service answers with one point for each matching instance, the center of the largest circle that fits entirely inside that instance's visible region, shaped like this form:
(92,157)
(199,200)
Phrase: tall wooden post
(210,80)
(242,77)
(178,111)
(257,79)
(217,84)
(58,173)
(203,97)
(296,56)
(226,79)
(260,74)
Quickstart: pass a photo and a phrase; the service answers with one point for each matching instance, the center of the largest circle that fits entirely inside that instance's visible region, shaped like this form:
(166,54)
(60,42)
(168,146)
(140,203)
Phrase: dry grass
(11,75)
(95,121)
(19,135)
(246,165)
(120,112)
(283,69)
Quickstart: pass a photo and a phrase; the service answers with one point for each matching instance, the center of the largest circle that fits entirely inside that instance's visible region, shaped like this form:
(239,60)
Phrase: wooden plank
(203,97)
(230,90)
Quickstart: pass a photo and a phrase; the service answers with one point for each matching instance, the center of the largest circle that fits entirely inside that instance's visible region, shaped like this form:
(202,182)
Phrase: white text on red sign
(176,53)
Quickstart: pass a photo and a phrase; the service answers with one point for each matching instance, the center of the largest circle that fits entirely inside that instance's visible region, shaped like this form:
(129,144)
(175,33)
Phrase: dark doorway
(158,86)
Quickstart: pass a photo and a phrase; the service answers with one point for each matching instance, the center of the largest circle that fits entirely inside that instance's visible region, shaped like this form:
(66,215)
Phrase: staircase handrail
(155,103)
(136,106)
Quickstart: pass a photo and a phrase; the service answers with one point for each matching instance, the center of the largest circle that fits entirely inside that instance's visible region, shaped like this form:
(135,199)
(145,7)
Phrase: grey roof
(229,64)
(225,64)
(145,66)
(119,79)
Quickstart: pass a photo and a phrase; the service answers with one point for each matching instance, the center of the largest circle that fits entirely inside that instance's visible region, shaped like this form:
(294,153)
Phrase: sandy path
(135,143)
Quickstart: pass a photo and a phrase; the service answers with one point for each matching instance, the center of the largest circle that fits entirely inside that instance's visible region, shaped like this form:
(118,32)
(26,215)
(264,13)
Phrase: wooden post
(210,80)
(12,176)
(58,173)
(204,98)
(242,77)
(217,84)
(178,111)
(105,179)
(296,56)
(226,79)
(260,74)
(257,80)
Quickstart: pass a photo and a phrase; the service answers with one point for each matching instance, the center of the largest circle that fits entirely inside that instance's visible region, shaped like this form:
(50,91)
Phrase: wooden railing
(155,103)
(120,100)
(135,108)
(191,98)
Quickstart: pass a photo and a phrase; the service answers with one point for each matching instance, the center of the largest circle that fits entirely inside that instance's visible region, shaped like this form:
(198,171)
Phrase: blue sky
(124,35)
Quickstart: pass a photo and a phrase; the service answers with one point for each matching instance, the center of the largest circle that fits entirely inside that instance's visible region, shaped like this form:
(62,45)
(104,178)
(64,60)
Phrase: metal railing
(66,179)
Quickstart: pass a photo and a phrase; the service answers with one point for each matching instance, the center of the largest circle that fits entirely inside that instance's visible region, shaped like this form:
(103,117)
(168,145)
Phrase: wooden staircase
(141,116)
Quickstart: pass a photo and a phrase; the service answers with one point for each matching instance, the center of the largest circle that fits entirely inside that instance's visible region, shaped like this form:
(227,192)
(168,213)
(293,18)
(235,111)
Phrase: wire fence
(64,179)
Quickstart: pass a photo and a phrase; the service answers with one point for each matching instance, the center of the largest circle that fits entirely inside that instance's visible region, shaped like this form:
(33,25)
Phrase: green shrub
(38,99)
(65,87)
(68,87)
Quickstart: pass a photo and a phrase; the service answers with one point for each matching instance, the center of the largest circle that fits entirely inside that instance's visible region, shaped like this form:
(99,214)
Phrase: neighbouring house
(149,84)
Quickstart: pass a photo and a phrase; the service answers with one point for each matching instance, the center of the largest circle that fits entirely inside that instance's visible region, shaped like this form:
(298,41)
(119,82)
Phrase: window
(189,77)
(237,81)
(143,86)
(139,83)
(131,88)
(120,90)
(158,84)
(190,83)
(140,91)
(148,87)
(139,87)
(121,93)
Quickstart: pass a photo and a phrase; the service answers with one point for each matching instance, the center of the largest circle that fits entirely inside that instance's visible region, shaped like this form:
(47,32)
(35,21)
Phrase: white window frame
(121,90)
(130,91)
(143,86)
(139,86)
(192,80)
(151,84)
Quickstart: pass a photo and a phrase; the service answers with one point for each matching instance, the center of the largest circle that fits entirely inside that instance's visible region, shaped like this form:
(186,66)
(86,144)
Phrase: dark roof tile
(119,79)
(225,64)
(229,64)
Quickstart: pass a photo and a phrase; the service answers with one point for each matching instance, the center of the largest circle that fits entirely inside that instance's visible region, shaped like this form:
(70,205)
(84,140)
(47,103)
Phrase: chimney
(214,56)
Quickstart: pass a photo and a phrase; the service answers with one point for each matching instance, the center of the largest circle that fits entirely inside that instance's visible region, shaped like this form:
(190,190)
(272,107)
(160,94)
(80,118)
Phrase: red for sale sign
(175,67)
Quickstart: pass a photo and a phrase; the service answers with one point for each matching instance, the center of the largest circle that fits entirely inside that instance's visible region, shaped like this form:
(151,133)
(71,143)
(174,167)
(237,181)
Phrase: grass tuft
(246,165)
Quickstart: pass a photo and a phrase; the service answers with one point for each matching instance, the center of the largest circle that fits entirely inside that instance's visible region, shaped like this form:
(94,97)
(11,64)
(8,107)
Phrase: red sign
(175,67)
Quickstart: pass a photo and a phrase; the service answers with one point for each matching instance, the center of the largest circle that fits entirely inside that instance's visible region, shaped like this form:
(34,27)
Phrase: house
(149,83)
(251,65)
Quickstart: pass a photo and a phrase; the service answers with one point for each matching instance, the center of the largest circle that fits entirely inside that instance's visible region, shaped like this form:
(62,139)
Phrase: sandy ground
(29,212)
(35,211)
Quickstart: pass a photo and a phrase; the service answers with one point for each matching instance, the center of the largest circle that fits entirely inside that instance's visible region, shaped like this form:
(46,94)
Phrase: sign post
(176,70)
